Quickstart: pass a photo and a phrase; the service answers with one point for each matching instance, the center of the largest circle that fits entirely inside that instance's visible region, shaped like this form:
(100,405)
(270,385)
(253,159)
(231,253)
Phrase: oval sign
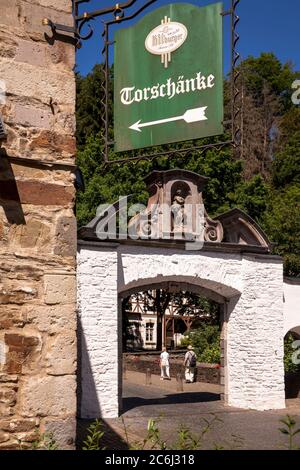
(166,38)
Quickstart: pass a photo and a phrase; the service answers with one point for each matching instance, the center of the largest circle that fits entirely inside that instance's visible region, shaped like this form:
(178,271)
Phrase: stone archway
(249,284)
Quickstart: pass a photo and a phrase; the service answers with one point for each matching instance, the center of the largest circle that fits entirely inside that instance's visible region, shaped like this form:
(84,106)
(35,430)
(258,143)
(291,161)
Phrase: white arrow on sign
(191,115)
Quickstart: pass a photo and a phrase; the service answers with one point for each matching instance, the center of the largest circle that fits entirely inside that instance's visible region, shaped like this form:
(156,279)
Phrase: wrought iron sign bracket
(118,11)
(227,12)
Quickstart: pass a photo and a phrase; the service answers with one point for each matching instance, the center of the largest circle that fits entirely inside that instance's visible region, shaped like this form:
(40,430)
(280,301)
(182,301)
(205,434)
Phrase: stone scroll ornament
(213,230)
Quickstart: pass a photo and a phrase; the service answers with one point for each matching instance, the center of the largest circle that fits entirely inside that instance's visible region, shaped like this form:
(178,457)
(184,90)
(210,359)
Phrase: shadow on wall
(9,194)
(84,371)
(59,37)
(292,385)
(111,439)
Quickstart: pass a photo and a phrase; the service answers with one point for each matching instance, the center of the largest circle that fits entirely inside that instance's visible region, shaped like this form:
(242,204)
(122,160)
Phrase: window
(149,332)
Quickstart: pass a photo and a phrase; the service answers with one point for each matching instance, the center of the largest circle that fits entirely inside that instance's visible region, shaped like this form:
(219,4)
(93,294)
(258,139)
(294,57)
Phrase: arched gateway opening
(172,313)
(165,316)
(233,266)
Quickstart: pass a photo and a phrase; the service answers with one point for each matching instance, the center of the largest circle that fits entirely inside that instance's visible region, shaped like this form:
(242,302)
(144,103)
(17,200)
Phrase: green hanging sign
(169,77)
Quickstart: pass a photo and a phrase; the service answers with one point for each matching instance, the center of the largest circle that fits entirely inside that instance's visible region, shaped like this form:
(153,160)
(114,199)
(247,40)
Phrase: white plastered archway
(251,284)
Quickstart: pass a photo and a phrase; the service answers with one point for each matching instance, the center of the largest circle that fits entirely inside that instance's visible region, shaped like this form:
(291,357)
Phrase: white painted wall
(254,376)
(98,329)
(255,337)
(291,306)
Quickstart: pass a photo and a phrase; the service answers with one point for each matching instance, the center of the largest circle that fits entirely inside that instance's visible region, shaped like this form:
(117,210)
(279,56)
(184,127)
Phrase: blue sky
(265,26)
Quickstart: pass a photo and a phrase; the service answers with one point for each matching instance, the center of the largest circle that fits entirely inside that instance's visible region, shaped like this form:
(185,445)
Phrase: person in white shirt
(165,365)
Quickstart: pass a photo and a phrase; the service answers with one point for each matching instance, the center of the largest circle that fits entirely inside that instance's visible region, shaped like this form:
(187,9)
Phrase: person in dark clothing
(190,362)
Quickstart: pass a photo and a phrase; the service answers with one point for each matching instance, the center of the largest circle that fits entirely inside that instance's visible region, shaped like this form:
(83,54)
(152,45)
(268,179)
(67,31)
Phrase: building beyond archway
(235,267)
(158,318)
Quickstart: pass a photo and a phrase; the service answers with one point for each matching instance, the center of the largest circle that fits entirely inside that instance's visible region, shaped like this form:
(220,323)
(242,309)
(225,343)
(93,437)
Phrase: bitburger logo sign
(165,39)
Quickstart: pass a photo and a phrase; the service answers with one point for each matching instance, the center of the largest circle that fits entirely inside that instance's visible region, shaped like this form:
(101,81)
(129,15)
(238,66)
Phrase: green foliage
(282,223)
(224,173)
(290,431)
(185,439)
(44,441)
(94,436)
(268,70)
(152,440)
(90,96)
(252,197)
(287,163)
(188,303)
(289,365)
(291,264)
(206,343)
(289,124)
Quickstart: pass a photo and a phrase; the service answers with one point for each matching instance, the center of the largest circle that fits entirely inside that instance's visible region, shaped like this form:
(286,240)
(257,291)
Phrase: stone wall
(37,226)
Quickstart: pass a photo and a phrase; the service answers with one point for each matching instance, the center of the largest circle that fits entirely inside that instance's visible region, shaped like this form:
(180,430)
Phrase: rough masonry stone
(59,289)
(48,396)
(37,324)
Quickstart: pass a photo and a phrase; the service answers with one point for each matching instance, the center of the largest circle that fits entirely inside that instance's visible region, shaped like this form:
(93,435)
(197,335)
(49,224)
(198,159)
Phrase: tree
(267,71)
(286,164)
(206,342)
(266,89)
(282,222)
(89,104)
(121,180)
(252,196)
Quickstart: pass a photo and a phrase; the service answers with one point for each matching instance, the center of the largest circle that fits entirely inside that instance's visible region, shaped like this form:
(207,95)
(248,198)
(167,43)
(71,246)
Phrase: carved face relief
(179,198)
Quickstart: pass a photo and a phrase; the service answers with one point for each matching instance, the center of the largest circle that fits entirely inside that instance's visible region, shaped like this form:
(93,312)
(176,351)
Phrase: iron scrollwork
(81,20)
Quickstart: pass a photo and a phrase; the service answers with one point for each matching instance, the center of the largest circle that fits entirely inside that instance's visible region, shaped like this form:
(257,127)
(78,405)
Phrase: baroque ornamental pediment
(240,228)
(176,211)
